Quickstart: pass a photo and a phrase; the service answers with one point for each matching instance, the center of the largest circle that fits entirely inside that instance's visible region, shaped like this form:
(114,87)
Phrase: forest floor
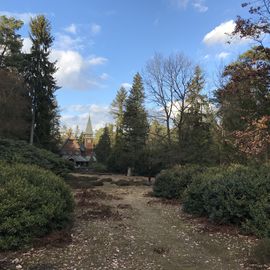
(120,226)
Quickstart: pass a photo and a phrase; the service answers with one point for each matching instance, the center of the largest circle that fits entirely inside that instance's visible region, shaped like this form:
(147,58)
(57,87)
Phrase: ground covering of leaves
(123,227)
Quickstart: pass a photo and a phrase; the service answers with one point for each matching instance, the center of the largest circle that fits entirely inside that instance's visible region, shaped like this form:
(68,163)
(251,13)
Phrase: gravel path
(123,228)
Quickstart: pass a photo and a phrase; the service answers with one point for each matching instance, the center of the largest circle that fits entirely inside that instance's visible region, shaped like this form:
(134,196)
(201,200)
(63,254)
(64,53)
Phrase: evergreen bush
(33,202)
(98,167)
(171,183)
(21,152)
(234,195)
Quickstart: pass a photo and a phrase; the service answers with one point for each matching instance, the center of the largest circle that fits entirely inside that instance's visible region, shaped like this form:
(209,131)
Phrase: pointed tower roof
(89,129)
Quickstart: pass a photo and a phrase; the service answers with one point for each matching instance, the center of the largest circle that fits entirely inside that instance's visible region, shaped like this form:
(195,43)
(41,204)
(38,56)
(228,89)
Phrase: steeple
(89,130)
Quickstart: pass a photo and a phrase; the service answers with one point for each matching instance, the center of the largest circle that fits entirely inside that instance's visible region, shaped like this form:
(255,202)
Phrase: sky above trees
(100,44)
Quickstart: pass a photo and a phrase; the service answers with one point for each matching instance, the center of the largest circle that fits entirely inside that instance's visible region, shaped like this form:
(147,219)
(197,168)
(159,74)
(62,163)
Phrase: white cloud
(223,55)
(126,85)
(200,6)
(71,29)
(221,35)
(95,28)
(74,70)
(179,3)
(104,76)
(66,42)
(95,61)
(27,43)
(25,17)
(77,114)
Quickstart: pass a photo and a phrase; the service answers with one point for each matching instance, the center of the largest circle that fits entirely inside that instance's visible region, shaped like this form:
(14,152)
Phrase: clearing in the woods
(120,226)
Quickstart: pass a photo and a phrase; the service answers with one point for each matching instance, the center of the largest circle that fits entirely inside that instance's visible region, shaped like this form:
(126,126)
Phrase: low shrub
(234,195)
(172,183)
(98,167)
(193,196)
(78,182)
(21,152)
(33,202)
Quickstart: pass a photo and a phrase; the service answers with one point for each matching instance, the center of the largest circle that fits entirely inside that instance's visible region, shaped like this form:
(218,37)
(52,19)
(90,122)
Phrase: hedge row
(226,195)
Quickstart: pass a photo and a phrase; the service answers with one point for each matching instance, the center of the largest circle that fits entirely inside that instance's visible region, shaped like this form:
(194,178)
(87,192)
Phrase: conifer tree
(196,101)
(103,147)
(116,161)
(39,77)
(196,139)
(135,124)
(117,110)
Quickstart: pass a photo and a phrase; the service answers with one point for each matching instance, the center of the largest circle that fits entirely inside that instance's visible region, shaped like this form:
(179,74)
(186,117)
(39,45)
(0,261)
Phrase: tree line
(28,107)
(180,124)
(186,126)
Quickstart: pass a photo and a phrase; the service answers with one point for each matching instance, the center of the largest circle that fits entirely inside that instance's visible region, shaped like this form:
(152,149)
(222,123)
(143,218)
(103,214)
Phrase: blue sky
(101,44)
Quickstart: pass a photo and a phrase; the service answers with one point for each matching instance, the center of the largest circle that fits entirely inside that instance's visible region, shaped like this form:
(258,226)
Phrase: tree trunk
(168,130)
(32,126)
(129,171)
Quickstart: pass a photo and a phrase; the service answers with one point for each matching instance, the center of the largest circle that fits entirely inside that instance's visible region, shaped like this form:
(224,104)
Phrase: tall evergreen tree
(135,124)
(42,84)
(103,148)
(196,139)
(195,99)
(100,131)
(117,161)
(117,110)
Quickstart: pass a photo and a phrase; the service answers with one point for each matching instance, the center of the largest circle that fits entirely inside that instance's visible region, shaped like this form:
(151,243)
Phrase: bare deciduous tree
(167,80)
(159,90)
(180,72)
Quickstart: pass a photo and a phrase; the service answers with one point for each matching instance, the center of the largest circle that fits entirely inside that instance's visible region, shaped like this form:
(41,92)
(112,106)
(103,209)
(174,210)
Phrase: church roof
(70,145)
(89,129)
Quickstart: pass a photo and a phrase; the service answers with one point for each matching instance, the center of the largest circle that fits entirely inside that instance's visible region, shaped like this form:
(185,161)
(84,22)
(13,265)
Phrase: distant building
(80,153)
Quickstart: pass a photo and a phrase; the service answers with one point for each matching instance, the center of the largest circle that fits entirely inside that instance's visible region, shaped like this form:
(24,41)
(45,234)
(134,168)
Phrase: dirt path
(122,228)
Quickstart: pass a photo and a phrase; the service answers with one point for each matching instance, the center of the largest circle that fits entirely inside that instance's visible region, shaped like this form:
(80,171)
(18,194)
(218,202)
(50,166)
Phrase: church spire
(89,130)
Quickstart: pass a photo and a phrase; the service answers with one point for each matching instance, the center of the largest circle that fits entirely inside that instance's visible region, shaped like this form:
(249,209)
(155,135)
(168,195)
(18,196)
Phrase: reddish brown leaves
(255,140)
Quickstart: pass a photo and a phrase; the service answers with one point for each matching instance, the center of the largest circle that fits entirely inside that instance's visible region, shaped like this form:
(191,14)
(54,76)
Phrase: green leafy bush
(194,194)
(33,202)
(172,183)
(21,152)
(234,195)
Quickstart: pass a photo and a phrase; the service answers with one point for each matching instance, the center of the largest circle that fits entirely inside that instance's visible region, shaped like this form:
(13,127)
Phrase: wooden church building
(80,153)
